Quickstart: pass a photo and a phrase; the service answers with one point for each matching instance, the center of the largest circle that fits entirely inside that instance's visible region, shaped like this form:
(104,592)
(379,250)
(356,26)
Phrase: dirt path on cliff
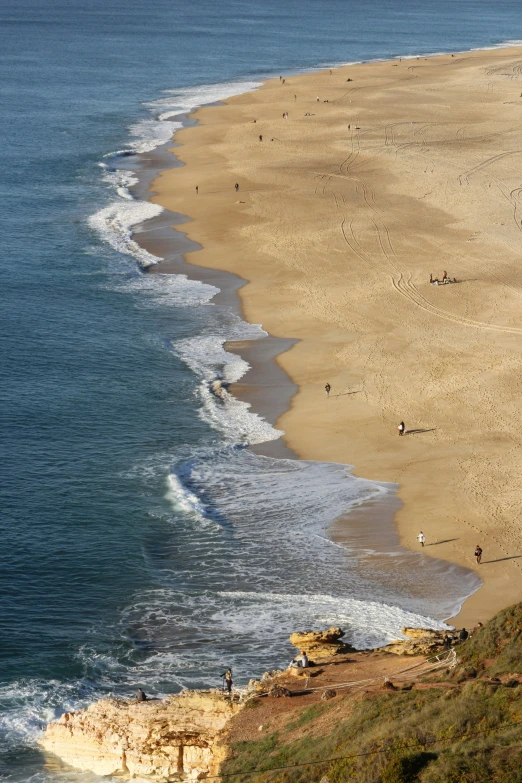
(268,714)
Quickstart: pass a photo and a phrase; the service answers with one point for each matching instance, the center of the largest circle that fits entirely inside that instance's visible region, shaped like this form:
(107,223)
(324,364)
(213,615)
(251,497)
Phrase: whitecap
(114,222)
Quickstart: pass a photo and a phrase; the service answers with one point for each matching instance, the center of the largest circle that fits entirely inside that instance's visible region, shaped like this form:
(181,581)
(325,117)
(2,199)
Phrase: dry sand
(337,231)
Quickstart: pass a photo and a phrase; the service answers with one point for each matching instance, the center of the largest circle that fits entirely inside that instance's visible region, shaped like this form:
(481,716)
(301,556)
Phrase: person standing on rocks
(141,695)
(228,680)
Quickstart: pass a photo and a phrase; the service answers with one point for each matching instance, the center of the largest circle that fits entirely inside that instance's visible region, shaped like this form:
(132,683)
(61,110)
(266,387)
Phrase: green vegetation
(306,715)
(455,730)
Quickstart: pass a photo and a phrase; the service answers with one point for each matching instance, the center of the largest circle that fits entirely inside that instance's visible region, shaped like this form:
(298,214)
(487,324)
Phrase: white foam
(28,705)
(171,290)
(114,222)
(184,500)
(186,99)
(148,134)
(208,359)
(366,623)
(120,180)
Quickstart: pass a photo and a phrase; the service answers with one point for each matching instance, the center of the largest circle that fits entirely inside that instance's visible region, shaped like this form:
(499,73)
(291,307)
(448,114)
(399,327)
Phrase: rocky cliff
(169,740)
(180,738)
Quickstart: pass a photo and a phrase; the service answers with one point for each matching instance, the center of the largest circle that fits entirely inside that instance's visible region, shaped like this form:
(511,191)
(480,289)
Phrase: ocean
(143,542)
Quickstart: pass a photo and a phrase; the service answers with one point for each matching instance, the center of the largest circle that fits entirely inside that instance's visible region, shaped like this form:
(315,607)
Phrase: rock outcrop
(321,644)
(420,641)
(173,739)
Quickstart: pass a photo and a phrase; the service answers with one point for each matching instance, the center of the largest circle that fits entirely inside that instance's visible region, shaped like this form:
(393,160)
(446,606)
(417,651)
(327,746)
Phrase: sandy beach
(382,174)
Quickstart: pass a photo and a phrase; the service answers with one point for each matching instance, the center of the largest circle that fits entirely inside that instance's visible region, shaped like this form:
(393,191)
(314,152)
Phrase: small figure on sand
(402,428)
(317,99)
(478,554)
(421,538)
(327,389)
(295,97)
(227,681)
(236,186)
(197,189)
(445,279)
(260,137)
(141,695)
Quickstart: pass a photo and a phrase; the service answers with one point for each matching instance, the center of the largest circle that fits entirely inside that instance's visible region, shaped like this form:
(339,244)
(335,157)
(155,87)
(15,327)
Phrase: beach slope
(380,175)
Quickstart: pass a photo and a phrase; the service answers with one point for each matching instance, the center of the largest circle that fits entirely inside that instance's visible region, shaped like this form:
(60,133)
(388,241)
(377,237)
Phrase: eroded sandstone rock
(170,740)
(321,644)
(420,641)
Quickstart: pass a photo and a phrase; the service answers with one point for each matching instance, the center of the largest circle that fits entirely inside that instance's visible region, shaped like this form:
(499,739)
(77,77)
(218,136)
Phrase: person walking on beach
(197,189)
(327,389)
(401,428)
(260,137)
(478,554)
(236,187)
(421,538)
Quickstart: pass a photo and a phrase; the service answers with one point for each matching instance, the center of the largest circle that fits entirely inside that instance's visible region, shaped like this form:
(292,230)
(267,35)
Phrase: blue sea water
(141,542)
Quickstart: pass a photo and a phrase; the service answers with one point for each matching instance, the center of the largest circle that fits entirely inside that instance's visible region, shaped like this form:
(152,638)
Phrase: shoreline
(265,386)
(452,554)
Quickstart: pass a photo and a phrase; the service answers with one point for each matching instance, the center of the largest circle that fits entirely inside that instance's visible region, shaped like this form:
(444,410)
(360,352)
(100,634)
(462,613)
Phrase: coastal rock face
(170,740)
(321,644)
(421,641)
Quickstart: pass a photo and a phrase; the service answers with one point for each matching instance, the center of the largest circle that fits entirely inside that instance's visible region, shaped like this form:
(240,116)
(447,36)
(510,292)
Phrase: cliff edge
(172,739)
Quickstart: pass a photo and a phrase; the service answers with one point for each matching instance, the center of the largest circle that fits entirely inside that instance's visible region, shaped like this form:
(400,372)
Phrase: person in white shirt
(421,538)
(305,663)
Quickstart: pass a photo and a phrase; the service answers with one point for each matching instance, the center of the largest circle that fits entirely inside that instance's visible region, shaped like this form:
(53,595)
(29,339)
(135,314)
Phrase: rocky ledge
(420,641)
(320,645)
(181,738)
(173,739)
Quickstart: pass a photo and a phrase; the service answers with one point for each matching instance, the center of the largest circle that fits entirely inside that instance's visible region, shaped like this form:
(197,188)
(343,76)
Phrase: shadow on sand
(501,559)
(446,541)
